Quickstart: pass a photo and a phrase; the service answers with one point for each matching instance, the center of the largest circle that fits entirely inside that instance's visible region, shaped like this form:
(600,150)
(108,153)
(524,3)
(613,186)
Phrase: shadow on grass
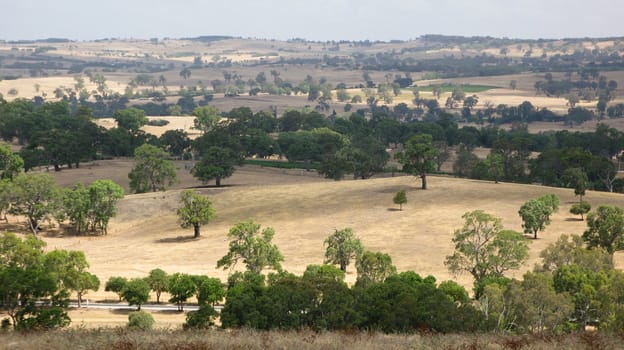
(124,311)
(179,239)
(574,219)
(167,312)
(394,209)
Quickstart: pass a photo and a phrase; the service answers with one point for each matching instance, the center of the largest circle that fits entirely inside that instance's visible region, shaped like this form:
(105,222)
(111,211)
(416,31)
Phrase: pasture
(303,209)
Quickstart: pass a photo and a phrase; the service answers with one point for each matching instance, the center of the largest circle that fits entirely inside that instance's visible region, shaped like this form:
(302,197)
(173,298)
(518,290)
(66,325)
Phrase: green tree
(580,208)
(152,171)
(584,286)
(495,166)
(185,73)
(484,249)
(605,228)
(216,163)
(533,305)
(70,267)
(6,198)
(103,198)
(136,292)
(131,119)
(176,142)
(196,211)
(181,287)
(34,197)
(206,118)
(32,292)
(10,163)
(400,198)
(374,267)
(252,247)
(84,282)
(342,247)
(209,290)
(116,284)
(201,319)
(455,291)
(577,179)
(535,216)
(571,250)
(418,157)
(158,281)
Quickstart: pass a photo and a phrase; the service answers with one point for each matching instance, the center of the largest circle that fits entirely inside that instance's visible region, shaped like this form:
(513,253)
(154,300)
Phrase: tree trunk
(34,226)
(196,231)
(157,297)
(343,266)
(218,181)
(79,300)
(423,177)
(535,234)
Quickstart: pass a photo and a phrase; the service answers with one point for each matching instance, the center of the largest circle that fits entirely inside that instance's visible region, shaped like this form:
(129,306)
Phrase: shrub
(140,320)
(201,319)
(158,122)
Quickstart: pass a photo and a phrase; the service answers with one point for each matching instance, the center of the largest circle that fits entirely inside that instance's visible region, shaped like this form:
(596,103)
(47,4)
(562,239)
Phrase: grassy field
(303,209)
(120,338)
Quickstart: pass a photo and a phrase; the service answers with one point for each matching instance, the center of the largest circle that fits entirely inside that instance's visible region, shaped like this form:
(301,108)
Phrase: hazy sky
(313,20)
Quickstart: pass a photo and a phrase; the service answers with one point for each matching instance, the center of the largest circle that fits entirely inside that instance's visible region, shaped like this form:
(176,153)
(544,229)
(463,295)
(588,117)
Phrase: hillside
(304,209)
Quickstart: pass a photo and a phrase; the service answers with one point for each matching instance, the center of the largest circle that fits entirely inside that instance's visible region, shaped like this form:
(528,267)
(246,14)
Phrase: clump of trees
(35,285)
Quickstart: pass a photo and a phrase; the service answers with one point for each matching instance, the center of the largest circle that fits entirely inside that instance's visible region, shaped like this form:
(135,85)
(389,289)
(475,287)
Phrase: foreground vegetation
(120,338)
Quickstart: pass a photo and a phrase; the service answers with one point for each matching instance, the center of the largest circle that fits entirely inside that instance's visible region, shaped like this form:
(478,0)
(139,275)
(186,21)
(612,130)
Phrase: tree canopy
(484,249)
(152,170)
(253,247)
(418,157)
(196,210)
(342,247)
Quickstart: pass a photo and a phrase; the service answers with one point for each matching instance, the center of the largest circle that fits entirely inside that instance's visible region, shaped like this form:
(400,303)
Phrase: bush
(140,320)
(201,319)
(158,122)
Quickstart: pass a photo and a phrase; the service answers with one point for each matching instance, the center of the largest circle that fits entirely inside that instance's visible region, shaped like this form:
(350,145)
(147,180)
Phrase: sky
(312,20)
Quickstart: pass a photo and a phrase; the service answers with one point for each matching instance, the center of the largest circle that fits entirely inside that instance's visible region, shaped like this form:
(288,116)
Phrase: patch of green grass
(280,164)
(467,88)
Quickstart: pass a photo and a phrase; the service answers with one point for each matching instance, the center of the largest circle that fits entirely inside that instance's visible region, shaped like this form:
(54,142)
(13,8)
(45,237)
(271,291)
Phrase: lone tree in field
(581,209)
(152,170)
(535,216)
(196,210)
(400,198)
(605,228)
(484,249)
(418,158)
(342,247)
(252,247)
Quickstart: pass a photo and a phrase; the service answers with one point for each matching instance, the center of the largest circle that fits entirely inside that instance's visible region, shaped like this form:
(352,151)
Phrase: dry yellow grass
(304,209)
(91,318)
